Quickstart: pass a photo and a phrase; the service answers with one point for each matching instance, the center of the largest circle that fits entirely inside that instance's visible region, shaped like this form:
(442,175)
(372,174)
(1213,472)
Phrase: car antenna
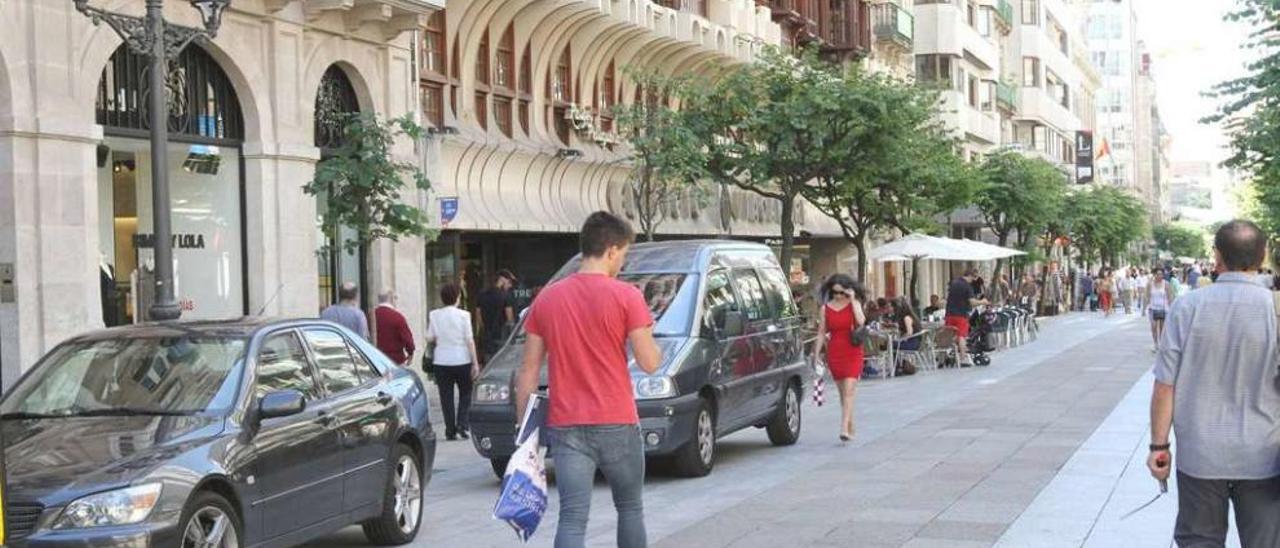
(272,299)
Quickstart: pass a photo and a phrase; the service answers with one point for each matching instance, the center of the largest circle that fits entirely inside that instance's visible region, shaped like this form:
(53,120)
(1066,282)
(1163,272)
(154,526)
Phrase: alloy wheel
(210,527)
(793,411)
(408,495)
(706,437)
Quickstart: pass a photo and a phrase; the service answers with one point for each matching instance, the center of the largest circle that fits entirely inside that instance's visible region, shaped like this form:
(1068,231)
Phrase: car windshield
(132,376)
(660,291)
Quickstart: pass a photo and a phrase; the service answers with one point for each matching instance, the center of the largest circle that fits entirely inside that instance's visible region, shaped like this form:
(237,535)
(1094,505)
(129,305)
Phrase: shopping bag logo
(523,501)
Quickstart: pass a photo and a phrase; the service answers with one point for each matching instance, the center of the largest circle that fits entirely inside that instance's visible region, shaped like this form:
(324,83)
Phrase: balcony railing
(698,7)
(1004,13)
(845,28)
(1007,96)
(894,24)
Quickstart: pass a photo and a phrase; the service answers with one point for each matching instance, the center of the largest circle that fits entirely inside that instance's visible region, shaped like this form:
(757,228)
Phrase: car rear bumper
(665,424)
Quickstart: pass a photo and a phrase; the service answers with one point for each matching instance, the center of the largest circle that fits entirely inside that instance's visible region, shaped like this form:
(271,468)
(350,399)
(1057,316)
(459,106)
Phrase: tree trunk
(860,243)
(788,231)
(915,283)
(1001,238)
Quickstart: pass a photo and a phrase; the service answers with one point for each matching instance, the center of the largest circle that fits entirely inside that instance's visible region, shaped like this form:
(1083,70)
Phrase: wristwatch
(1159,447)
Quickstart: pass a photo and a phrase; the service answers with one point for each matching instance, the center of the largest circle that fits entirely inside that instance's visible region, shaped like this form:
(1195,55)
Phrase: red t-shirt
(584,320)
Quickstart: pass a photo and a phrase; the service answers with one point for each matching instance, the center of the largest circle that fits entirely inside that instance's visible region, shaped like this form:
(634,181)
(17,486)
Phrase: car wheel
(697,456)
(210,522)
(499,465)
(784,427)
(401,505)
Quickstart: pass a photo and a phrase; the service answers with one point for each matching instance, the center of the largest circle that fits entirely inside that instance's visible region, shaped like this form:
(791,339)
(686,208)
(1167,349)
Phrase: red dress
(843,358)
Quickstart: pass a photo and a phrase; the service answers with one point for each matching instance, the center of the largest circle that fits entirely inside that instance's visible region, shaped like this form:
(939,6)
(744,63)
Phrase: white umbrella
(983,251)
(921,246)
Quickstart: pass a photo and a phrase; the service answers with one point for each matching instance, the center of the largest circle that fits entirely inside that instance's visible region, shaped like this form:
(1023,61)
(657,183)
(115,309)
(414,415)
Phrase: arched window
(207,108)
(606,97)
(205,181)
(335,99)
(434,73)
(482,81)
(560,94)
(526,87)
(504,80)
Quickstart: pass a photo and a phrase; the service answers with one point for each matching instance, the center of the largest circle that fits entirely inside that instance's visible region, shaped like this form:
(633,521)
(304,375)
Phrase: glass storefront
(472,261)
(208,252)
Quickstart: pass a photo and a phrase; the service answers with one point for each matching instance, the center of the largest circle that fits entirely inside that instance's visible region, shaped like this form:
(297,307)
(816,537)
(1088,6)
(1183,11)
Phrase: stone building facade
(74,169)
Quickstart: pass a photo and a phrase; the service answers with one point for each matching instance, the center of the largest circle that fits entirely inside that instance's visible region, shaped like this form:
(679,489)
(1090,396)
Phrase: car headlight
(493,392)
(120,507)
(653,387)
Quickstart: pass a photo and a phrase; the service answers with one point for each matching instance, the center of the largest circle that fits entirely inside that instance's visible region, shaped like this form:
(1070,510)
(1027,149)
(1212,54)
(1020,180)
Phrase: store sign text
(742,206)
(180,241)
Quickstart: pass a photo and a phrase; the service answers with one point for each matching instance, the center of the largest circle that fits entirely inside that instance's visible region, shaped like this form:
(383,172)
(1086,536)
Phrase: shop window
(205,182)
(335,99)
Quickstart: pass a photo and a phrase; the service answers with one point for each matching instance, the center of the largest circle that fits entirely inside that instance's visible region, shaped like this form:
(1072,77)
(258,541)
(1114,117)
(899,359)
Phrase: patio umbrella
(920,246)
(983,251)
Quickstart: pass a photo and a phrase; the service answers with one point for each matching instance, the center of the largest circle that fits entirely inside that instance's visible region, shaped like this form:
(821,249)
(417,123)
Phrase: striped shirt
(1220,353)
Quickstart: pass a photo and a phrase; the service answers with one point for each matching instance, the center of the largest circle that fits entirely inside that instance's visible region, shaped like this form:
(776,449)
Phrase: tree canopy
(1020,196)
(1180,239)
(1103,221)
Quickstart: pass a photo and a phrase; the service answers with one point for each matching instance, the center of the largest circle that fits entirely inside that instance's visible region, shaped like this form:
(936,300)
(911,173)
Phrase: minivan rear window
(669,296)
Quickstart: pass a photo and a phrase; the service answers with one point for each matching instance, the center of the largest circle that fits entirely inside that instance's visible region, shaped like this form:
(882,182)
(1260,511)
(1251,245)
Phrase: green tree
(1020,197)
(1104,221)
(1182,240)
(772,128)
(1250,109)
(899,168)
(364,189)
(666,154)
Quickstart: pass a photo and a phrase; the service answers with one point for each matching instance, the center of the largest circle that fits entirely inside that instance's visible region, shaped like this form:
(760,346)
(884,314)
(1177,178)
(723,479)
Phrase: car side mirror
(734,324)
(281,404)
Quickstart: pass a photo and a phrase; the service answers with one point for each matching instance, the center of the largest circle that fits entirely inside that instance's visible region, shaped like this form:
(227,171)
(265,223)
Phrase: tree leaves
(362,186)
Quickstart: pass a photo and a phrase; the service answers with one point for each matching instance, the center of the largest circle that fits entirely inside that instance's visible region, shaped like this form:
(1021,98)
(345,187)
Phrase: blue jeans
(618,452)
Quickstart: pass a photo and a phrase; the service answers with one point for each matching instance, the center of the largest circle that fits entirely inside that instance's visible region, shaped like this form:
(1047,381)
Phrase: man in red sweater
(394,337)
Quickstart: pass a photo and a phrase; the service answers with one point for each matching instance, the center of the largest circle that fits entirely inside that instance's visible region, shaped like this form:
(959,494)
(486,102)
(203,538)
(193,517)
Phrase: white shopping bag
(523,501)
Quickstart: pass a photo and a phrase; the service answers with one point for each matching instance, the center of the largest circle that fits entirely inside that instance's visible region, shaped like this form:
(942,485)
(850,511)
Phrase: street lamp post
(159,41)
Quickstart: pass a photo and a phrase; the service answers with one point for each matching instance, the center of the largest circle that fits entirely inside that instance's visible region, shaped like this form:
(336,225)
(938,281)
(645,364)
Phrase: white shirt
(1143,281)
(450,328)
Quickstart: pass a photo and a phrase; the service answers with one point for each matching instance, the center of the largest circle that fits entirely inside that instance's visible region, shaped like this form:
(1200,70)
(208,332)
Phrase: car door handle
(384,398)
(325,418)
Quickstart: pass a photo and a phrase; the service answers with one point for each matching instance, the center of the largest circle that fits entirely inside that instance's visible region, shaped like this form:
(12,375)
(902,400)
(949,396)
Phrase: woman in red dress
(841,315)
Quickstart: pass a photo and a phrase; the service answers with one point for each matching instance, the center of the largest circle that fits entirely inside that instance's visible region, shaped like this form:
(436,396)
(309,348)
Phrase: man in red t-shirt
(582,325)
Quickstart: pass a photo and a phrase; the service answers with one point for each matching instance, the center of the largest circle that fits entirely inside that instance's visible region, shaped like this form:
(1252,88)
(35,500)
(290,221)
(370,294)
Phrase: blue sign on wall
(448,210)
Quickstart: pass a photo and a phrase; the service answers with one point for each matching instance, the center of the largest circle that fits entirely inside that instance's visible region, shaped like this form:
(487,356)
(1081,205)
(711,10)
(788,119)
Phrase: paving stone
(962,530)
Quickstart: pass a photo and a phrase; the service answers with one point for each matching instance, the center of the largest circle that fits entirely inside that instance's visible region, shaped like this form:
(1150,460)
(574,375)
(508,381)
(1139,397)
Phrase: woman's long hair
(902,310)
(845,281)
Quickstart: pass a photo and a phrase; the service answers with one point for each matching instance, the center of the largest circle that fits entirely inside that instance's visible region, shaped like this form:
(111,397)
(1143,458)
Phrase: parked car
(731,343)
(216,435)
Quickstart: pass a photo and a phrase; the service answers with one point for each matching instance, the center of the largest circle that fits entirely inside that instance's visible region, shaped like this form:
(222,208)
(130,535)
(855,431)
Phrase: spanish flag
(1103,149)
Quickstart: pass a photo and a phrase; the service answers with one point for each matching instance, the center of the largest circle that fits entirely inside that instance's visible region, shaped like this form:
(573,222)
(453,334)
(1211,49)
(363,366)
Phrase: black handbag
(429,365)
(859,335)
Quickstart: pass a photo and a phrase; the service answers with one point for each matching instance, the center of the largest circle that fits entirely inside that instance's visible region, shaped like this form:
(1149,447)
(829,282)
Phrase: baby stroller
(979,341)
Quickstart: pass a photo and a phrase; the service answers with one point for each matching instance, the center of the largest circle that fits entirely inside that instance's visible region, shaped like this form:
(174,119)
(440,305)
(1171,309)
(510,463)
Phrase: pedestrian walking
(1086,291)
(1001,293)
(346,312)
(1160,296)
(394,338)
(960,302)
(454,361)
(1143,281)
(1125,283)
(582,326)
(1106,292)
(495,309)
(1216,388)
(842,315)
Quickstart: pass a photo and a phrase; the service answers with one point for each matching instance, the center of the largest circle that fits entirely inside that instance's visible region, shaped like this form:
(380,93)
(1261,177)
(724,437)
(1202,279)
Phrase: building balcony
(974,124)
(698,7)
(1007,97)
(389,17)
(942,29)
(893,24)
(1037,104)
(1004,15)
(844,29)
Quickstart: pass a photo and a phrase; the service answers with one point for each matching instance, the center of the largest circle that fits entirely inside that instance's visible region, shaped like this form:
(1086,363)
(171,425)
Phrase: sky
(1192,49)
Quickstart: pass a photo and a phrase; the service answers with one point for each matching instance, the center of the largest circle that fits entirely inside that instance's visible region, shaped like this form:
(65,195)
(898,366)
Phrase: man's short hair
(1242,245)
(386,296)
(604,230)
(348,291)
(504,273)
(971,273)
(449,294)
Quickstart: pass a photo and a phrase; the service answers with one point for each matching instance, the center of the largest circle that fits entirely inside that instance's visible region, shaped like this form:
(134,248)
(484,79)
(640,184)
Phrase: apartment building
(1113,44)
(1052,88)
